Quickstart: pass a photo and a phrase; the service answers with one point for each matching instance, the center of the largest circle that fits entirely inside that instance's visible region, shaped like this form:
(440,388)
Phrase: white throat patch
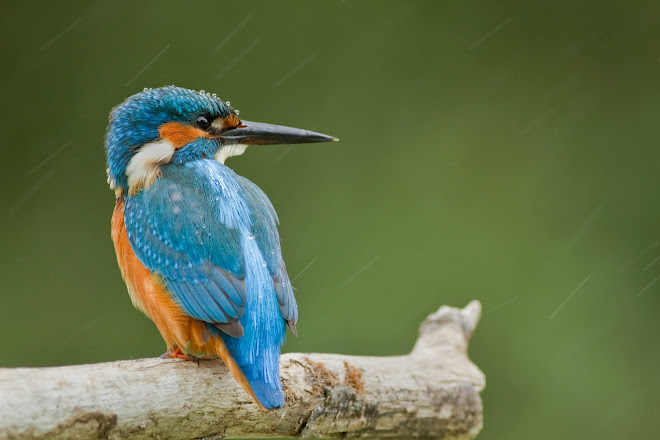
(229,151)
(144,167)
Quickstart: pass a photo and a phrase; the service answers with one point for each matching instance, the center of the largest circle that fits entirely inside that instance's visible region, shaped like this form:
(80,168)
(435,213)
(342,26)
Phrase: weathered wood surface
(431,393)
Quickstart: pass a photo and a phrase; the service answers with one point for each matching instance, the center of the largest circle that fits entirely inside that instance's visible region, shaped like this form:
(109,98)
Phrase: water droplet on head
(250,236)
(272,252)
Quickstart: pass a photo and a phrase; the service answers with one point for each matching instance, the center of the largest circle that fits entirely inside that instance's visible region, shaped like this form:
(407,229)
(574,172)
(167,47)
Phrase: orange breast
(149,294)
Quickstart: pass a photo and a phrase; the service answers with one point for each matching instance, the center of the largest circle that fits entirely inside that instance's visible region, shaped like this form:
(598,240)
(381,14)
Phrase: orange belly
(149,295)
(147,292)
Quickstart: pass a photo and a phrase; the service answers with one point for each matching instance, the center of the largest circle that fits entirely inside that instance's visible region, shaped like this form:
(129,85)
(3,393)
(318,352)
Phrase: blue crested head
(176,125)
(174,113)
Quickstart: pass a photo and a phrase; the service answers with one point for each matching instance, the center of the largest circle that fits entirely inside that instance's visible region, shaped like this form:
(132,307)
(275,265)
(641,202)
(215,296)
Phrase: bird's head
(173,124)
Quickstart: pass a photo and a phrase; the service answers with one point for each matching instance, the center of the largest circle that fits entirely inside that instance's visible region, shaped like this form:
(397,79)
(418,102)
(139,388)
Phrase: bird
(197,245)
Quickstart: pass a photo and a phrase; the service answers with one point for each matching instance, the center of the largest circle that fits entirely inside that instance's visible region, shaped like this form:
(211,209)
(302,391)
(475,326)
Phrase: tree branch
(431,393)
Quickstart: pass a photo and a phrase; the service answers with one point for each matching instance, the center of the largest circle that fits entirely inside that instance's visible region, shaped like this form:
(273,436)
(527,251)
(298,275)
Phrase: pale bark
(431,393)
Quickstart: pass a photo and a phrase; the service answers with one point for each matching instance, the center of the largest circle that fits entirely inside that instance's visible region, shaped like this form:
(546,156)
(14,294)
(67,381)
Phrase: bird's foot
(175,353)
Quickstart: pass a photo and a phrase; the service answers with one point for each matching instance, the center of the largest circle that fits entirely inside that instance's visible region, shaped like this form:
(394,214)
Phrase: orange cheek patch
(180,135)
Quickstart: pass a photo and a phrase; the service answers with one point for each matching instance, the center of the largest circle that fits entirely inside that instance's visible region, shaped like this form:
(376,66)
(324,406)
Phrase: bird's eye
(203,122)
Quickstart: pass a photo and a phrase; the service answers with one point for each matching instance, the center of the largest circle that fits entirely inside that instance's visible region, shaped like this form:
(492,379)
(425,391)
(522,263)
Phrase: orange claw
(175,353)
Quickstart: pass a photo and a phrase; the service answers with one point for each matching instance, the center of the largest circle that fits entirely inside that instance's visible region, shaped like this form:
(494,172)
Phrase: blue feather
(212,237)
(257,353)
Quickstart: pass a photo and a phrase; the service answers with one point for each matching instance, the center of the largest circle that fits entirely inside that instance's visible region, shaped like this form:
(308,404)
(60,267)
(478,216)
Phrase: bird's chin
(229,151)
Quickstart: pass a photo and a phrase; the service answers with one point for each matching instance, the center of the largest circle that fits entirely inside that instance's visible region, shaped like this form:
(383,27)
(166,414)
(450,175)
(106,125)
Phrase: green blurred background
(503,152)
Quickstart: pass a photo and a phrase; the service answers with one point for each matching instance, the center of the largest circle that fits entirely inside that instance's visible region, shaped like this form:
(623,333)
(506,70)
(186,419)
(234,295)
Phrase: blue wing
(187,227)
(268,240)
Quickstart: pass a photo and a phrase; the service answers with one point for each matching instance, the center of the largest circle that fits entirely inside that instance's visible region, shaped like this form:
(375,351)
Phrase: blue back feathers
(211,235)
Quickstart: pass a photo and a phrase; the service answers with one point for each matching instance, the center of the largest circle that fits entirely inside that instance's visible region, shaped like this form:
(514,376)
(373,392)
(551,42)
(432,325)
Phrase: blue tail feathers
(258,357)
(268,390)
(257,352)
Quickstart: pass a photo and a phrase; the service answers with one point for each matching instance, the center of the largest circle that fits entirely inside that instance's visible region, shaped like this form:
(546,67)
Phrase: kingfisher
(197,244)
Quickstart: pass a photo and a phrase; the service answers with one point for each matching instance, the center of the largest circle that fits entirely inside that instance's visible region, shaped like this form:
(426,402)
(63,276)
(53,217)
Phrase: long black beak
(256,133)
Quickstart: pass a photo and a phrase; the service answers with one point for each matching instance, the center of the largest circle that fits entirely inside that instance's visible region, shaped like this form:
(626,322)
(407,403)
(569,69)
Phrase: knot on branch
(448,326)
